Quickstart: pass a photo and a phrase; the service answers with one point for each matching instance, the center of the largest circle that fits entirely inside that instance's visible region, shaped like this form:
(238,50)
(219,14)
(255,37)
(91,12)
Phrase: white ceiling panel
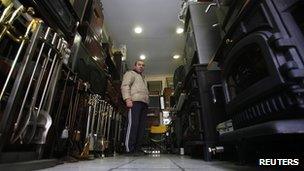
(158,41)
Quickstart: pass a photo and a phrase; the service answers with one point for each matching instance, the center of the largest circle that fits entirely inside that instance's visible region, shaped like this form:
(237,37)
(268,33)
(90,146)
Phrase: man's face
(140,66)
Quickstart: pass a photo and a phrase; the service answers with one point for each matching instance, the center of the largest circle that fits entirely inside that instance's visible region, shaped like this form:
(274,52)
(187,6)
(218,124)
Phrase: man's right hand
(129,103)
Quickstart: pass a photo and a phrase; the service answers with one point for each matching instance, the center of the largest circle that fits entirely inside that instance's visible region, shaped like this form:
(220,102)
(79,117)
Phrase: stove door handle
(211,5)
(213,91)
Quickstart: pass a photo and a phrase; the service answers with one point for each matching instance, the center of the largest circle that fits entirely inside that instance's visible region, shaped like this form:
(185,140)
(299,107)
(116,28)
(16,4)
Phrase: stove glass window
(298,14)
(249,68)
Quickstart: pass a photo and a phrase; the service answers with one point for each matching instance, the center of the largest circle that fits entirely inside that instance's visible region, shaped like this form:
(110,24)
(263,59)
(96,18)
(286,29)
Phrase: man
(136,95)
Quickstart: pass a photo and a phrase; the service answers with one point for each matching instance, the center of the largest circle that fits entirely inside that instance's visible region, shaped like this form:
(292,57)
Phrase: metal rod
(68,118)
(61,100)
(40,77)
(13,37)
(89,116)
(34,97)
(213,91)
(209,6)
(94,113)
(42,100)
(50,95)
(29,86)
(99,117)
(5,12)
(7,25)
(16,91)
(45,115)
(109,123)
(49,77)
(75,106)
(28,30)
(105,121)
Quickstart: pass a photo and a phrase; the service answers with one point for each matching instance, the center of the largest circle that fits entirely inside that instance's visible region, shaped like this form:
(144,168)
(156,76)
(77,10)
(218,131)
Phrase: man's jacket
(134,87)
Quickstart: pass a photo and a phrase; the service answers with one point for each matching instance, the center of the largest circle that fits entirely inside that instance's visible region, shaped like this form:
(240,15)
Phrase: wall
(159,78)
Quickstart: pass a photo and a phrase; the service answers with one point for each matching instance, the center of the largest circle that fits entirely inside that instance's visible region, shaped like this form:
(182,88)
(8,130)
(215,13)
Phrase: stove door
(57,13)
(251,71)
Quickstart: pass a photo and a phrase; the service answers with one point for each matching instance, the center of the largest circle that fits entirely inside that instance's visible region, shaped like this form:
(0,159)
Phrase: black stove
(262,57)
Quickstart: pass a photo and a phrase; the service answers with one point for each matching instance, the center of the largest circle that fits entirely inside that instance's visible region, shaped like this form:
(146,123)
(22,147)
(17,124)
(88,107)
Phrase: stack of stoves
(57,97)
(200,108)
(202,111)
(262,61)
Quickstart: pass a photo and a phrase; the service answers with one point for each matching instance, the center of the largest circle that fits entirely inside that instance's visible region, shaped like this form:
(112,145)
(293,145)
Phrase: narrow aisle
(147,163)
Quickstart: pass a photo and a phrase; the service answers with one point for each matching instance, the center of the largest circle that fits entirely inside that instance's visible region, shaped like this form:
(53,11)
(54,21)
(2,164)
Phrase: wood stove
(57,13)
(262,59)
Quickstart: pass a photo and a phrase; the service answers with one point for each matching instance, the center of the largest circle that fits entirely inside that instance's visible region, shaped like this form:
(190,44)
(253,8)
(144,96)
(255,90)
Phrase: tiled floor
(149,163)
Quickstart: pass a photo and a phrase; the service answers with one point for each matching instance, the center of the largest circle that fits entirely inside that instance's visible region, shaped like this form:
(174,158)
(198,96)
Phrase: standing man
(136,96)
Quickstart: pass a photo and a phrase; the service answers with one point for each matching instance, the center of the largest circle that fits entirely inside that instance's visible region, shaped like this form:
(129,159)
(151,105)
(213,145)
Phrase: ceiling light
(138,30)
(176,56)
(123,58)
(179,30)
(142,57)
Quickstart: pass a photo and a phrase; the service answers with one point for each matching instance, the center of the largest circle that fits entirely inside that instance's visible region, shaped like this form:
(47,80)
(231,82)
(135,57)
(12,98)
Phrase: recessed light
(142,57)
(138,30)
(179,30)
(176,56)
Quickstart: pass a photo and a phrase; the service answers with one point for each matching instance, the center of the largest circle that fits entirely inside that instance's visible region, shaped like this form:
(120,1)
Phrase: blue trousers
(137,116)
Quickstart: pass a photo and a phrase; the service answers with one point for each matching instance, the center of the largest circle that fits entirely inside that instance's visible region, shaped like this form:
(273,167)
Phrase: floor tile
(146,169)
(150,163)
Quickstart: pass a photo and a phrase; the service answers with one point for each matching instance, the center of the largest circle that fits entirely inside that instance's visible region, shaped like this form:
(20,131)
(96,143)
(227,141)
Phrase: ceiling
(158,41)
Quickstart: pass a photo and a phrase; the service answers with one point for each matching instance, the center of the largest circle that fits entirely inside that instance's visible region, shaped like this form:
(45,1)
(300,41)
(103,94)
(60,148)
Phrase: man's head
(139,66)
